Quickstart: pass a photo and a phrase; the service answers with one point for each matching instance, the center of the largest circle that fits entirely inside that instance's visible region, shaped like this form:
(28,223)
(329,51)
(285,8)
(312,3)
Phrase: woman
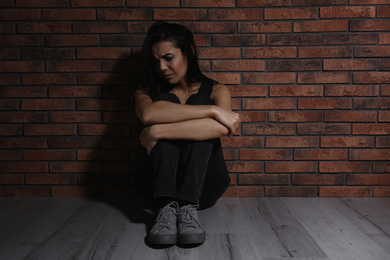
(185,114)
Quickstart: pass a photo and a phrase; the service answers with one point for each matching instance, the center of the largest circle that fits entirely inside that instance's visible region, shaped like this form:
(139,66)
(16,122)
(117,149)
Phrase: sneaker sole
(163,240)
(188,239)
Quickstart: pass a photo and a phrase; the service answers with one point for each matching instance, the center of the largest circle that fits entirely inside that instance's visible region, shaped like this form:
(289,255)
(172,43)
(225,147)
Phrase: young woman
(185,114)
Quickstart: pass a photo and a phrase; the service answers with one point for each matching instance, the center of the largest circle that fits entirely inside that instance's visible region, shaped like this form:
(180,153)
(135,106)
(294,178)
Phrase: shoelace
(187,217)
(163,216)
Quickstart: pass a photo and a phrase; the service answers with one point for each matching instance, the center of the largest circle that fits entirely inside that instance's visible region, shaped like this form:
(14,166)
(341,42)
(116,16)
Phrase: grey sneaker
(190,230)
(164,231)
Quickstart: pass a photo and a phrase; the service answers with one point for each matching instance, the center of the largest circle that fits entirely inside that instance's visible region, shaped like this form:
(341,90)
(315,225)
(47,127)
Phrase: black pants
(185,170)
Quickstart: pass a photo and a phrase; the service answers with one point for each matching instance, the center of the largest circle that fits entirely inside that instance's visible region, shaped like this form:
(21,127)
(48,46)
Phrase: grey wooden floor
(238,228)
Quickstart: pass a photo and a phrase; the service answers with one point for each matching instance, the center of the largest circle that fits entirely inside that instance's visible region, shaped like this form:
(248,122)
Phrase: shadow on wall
(117,166)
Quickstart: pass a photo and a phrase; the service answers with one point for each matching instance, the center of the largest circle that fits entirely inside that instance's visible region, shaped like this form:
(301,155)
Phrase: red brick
(381,167)
(348,12)
(9,79)
(294,65)
(325,52)
(75,117)
(103,53)
(207,3)
(324,129)
(90,92)
(21,66)
(369,25)
(202,40)
(384,65)
(211,27)
(268,78)
(139,27)
(350,38)
(350,116)
(48,104)
(381,192)
(264,27)
(23,117)
(99,27)
(351,90)
(48,79)
(290,13)
(268,129)
(265,154)
(385,90)
(371,129)
(218,53)
(290,167)
(47,53)
(324,77)
(295,116)
(44,27)
(7,3)
(295,90)
(73,142)
(153,3)
(244,191)
(121,142)
(11,179)
(124,14)
(318,179)
(337,167)
(347,141)
(9,105)
(382,142)
(19,14)
(267,104)
(320,154)
(42,3)
(21,40)
(384,38)
(368,179)
(117,130)
(372,103)
(238,65)
(75,167)
(8,155)
(248,91)
(230,154)
(121,66)
(22,142)
(253,116)
(262,3)
(72,40)
(370,2)
(44,130)
(49,155)
(324,103)
(97,3)
(321,26)
(293,39)
(46,179)
(69,14)
(319,2)
(355,64)
(263,179)
(269,52)
(371,155)
(345,192)
(371,77)
(384,116)
(24,167)
(27,191)
(225,78)
(103,78)
(372,51)
(383,11)
(180,14)
(238,40)
(72,66)
(295,141)
(244,166)
(123,40)
(75,191)
(102,155)
(9,54)
(235,14)
(290,191)
(102,105)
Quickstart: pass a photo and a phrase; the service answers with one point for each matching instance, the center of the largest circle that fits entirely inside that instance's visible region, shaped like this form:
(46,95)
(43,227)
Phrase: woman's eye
(168,58)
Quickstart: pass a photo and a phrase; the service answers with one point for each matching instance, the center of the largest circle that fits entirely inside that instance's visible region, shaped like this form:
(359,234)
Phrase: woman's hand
(229,119)
(148,138)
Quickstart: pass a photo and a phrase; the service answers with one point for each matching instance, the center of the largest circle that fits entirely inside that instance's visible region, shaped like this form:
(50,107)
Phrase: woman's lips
(169,76)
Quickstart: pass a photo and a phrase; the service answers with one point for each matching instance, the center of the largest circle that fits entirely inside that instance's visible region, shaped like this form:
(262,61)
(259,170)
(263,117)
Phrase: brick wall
(309,78)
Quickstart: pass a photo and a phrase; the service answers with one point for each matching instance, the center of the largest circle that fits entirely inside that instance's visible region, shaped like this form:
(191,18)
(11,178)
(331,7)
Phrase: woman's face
(170,63)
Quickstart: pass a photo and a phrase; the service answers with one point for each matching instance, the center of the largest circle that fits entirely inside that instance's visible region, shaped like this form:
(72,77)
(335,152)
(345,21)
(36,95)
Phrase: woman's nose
(163,66)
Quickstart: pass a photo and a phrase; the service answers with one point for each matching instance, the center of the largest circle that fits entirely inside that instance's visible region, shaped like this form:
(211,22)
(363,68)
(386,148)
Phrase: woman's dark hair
(182,38)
